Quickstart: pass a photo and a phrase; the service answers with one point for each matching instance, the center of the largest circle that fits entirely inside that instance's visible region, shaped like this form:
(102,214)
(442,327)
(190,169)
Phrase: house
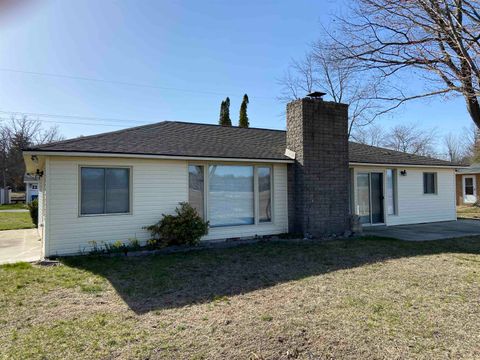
(467,180)
(246,182)
(31,188)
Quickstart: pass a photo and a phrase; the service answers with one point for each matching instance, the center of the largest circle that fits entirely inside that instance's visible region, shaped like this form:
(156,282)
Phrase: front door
(469,189)
(370,198)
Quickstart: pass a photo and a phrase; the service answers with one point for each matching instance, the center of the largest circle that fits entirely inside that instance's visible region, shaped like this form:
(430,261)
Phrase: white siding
(413,206)
(416,207)
(157,187)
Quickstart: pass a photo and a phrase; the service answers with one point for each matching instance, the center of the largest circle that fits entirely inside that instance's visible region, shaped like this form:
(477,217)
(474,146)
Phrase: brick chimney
(317,134)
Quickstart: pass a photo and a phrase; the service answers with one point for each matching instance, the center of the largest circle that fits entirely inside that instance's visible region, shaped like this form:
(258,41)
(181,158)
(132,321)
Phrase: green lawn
(13,207)
(355,299)
(15,220)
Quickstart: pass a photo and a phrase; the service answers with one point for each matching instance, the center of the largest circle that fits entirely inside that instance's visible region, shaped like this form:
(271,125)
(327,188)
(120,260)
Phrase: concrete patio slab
(20,245)
(426,232)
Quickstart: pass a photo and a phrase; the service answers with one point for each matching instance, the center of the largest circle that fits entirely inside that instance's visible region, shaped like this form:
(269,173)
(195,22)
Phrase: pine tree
(222,112)
(225,113)
(243,121)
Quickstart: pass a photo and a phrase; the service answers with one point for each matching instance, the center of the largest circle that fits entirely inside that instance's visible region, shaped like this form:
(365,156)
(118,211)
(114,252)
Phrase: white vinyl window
(391,192)
(104,190)
(196,188)
(429,183)
(229,195)
(264,175)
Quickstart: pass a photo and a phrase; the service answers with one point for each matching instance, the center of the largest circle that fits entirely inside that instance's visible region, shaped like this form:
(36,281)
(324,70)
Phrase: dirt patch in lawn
(367,298)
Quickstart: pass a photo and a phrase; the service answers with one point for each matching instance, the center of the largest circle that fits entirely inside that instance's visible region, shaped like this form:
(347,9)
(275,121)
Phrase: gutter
(206,158)
(149,156)
(407,165)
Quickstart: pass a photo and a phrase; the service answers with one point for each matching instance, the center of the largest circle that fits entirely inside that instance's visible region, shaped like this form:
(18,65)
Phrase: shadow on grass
(168,281)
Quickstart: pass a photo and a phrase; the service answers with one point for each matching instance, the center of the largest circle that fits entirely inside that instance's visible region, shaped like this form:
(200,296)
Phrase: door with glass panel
(369,205)
(469,190)
(376,194)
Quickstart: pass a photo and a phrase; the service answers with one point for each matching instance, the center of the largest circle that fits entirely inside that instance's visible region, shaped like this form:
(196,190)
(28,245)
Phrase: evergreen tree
(222,112)
(225,113)
(243,121)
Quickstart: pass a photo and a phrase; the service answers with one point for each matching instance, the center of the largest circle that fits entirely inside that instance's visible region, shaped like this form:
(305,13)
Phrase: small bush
(186,227)
(152,244)
(134,244)
(33,208)
(94,248)
(114,247)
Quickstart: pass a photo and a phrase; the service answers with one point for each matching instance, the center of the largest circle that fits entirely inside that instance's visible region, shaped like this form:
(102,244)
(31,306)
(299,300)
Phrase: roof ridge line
(221,126)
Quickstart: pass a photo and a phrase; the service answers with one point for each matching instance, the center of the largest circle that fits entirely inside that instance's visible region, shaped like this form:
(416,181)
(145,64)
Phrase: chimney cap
(316,94)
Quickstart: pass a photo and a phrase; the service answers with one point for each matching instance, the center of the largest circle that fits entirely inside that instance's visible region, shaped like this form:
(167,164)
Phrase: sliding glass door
(376,191)
(370,198)
(363,197)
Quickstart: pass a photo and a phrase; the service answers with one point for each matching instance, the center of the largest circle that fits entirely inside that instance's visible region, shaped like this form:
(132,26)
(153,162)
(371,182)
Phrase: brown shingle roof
(173,138)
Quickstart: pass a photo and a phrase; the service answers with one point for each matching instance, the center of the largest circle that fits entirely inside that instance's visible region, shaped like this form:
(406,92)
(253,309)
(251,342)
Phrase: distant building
(31,188)
(467,180)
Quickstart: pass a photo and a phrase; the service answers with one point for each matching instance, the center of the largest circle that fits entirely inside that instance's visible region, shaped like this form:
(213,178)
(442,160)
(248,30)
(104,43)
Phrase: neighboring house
(245,182)
(31,188)
(467,180)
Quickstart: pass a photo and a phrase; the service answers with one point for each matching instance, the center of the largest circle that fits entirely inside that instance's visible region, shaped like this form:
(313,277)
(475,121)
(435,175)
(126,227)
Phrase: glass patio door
(363,197)
(370,198)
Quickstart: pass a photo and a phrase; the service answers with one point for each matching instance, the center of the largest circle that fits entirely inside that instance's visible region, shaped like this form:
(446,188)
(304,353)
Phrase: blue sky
(192,54)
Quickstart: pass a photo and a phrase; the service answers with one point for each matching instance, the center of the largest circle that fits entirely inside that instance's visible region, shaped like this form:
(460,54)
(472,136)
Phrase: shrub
(114,247)
(94,248)
(152,244)
(185,227)
(134,244)
(33,208)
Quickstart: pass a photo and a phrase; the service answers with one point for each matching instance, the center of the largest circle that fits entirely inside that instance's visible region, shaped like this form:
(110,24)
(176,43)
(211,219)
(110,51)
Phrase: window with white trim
(391,192)
(196,188)
(229,195)
(104,190)
(264,175)
(429,183)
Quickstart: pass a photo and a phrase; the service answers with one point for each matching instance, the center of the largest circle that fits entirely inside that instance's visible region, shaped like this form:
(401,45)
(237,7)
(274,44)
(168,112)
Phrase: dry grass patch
(468,212)
(369,298)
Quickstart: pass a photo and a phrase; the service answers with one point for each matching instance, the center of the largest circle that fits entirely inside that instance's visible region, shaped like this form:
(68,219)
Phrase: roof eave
(453,166)
(150,156)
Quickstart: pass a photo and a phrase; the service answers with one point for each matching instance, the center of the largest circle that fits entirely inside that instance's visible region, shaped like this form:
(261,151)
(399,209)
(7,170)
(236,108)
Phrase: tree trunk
(473,109)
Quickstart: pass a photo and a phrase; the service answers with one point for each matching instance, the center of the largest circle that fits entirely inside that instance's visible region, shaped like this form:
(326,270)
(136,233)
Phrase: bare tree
(373,135)
(470,143)
(15,135)
(320,70)
(300,79)
(406,138)
(435,39)
(411,139)
(454,148)
(4,146)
